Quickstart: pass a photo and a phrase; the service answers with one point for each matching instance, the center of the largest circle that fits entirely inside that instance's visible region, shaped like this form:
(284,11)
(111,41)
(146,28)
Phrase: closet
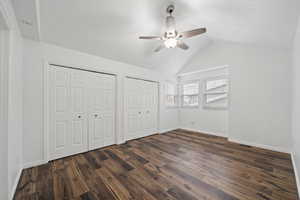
(81,111)
(141,108)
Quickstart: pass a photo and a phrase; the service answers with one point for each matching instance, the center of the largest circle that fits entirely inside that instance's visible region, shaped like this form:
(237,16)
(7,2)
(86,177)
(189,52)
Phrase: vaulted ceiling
(111,28)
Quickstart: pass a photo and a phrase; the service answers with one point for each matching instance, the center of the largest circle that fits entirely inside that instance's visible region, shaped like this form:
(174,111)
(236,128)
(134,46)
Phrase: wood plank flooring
(178,165)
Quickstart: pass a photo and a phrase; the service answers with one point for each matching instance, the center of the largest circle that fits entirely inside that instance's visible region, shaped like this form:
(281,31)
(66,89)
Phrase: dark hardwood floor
(180,165)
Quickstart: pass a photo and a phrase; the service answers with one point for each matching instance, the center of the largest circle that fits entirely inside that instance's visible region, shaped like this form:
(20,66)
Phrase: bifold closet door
(150,108)
(101,109)
(81,111)
(67,109)
(141,108)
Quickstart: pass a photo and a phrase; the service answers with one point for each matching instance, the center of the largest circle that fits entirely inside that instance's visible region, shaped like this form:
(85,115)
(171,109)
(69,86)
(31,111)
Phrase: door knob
(79,116)
(139,112)
(96,115)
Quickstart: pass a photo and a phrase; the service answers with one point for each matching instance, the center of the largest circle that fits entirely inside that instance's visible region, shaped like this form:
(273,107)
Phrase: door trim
(124,104)
(141,79)
(87,70)
(46,139)
(4,62)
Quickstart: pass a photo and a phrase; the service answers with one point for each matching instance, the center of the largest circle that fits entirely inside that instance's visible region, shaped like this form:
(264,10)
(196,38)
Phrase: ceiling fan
(172,38)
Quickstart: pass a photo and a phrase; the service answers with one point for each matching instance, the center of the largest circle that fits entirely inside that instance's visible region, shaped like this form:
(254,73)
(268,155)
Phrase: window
(190,95)
(216,93)
(171,98)
(215,84)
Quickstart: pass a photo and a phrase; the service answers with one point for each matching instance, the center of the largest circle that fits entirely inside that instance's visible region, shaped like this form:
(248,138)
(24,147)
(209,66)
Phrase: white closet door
(67,120)
(140,108)
(78,140)
(101,108)
(134,101)
(150,108)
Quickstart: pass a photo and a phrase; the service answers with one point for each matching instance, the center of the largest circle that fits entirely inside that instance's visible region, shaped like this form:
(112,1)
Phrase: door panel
(61,93)
(141,104)
(101,107)
(67,106)
(59,128)
(133,109)
(108,129)
(80,101)
(151,108)
(61,132)
(134,119)
(78,133)
(109,100)
(78,130)
(96,131)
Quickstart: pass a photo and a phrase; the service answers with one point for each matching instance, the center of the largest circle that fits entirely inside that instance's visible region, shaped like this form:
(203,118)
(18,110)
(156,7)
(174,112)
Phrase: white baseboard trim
(268,147)
(263,146)
(15,185)
(34,164)
(121,142)
(205,132)
(296,171)
(167,130)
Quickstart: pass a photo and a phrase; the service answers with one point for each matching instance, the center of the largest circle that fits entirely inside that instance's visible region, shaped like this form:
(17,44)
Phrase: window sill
(187,107)
(171,107)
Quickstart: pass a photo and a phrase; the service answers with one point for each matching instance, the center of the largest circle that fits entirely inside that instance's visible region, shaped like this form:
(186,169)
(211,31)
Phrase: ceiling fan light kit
(172,38)
(171,43)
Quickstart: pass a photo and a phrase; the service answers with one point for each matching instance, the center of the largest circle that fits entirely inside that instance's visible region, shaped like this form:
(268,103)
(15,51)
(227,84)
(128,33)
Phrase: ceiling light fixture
(171,43)
(171,37)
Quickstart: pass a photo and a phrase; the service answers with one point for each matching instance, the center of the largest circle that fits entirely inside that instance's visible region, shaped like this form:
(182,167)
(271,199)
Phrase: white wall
(3,120)
(296,101)
(32,102)
(260,91)
(15,120)
(12,98)
(34,56)
(211,121)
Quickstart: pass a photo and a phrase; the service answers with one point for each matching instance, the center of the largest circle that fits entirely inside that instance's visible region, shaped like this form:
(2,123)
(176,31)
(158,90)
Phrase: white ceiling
(2,22)
(111,28)
(26,12)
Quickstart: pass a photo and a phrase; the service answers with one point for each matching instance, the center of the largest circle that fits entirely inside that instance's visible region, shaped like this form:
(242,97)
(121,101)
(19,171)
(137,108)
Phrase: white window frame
(225,92)
(167,94)
(182,95)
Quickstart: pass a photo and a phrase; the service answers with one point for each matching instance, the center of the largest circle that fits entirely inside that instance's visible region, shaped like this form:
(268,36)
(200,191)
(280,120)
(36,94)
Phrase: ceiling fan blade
(150,37)
(192,33)
(182,45)
(160,47)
